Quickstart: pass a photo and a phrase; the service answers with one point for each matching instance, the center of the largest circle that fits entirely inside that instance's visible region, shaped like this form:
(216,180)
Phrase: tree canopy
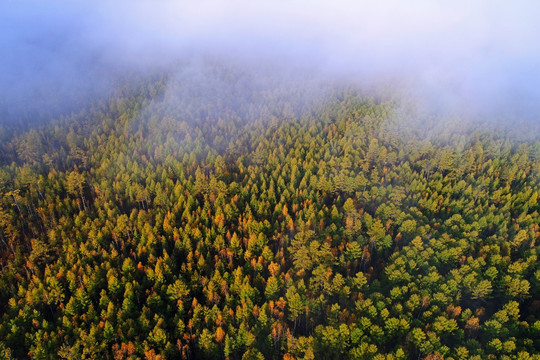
(247,222)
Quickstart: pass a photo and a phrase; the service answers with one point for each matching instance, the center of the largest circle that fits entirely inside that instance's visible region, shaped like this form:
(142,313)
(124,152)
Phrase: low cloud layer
(479,56)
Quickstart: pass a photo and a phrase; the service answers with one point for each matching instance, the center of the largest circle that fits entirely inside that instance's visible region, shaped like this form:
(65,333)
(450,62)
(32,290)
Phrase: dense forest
(213,213)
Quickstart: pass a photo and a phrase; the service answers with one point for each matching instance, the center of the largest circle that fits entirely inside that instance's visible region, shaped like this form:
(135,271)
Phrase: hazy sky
(484,55)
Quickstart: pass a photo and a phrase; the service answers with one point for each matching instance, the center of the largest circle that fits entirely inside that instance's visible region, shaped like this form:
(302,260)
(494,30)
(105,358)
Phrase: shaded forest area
(215,215)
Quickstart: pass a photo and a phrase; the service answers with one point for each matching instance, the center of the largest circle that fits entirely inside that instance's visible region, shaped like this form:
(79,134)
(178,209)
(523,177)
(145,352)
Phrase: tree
(75,185)
(272,288)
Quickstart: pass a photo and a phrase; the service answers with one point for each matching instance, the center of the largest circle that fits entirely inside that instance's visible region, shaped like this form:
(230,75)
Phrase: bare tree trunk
(82,198)
(39,191)
(17,205)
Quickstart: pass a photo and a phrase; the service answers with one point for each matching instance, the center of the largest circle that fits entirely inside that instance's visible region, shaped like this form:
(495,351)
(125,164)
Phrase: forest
(216,213)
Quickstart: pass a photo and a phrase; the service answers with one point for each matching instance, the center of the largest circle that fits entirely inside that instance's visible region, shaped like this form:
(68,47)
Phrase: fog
(467,57)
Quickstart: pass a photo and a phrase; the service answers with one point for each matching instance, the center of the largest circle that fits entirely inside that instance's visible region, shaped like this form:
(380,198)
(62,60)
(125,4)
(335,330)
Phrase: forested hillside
(218,215)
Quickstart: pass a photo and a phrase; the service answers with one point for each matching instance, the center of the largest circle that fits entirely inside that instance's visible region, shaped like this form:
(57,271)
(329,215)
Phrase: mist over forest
(269,180)
(465,57)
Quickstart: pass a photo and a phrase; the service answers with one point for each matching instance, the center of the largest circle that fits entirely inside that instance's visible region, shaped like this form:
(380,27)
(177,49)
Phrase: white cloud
(483,51)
